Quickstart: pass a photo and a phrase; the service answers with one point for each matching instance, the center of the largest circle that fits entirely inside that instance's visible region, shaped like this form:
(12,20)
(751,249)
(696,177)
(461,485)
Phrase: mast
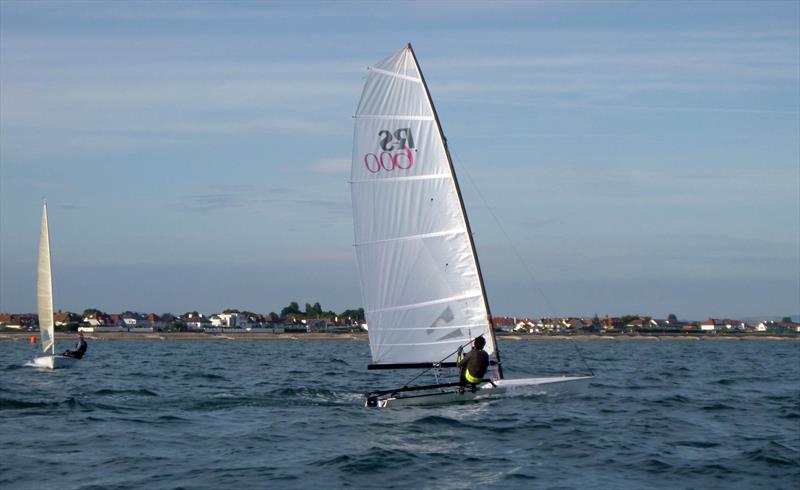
(463,211)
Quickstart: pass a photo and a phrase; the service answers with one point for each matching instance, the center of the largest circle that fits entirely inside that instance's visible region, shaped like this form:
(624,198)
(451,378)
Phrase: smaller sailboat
(44,303)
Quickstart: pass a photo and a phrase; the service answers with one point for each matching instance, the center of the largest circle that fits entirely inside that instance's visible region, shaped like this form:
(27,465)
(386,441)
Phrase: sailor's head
(479,342)
(80,335)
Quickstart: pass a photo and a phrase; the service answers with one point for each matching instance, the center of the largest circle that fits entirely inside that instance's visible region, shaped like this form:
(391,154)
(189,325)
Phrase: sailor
(473,365)
(80,348)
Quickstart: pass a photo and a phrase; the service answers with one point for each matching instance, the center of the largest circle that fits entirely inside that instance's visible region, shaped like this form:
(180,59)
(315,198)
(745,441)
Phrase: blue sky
(639,157)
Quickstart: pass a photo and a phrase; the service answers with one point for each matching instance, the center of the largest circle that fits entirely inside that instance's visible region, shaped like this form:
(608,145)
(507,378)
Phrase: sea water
(289,414)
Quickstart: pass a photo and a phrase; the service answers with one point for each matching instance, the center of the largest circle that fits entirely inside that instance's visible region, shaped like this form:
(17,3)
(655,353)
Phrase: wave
(717,406)
(205,376)
(697,444)
(71,403)
(775,454)
(109,391)
(373,460)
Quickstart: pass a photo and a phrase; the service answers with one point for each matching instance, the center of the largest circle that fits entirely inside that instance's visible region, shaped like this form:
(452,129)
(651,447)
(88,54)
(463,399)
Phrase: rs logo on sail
(396,152)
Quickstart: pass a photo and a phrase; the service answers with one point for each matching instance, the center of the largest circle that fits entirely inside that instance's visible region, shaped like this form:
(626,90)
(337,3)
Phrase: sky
(615,157)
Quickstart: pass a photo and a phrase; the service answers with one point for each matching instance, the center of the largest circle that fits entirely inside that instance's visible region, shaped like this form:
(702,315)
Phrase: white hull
(504,387)
(53,362)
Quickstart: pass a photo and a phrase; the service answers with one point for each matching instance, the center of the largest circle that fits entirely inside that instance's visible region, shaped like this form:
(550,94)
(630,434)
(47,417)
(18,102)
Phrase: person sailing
(80,348)
(473,365)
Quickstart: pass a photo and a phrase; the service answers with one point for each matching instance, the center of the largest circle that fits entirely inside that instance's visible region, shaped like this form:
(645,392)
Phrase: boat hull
(53,362)
(501,388)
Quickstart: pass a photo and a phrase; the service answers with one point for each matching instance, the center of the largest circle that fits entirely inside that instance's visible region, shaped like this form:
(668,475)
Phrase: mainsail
(44,288)
(420,281)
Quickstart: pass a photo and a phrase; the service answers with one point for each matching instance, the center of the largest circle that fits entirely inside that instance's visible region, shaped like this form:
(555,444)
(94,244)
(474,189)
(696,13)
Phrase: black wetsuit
(80,350)
(477,362)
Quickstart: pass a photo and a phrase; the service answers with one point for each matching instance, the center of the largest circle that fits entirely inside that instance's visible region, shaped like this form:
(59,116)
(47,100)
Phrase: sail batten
(420,236)
(394,116)
(44,288)
(393,74)
(421,286)
(472,295)
(453,327)
(401,179)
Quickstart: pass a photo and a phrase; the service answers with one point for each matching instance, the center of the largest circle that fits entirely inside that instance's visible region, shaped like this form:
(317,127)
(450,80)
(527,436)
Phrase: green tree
(672,318)
(786,319)
(357,314)
(292,309)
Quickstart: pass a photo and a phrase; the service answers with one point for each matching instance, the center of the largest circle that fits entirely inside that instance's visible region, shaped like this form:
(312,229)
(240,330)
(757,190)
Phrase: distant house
(612,323)
(504,323)
(132,320)
(65,318)
(314,325)
(526,326)
(735,325)
(711,325)
(97,320)
(195,321)
(788,327)
(140,320)
(550,325)
(25,321)
(101,328)
(229,320)
(101,322)
(637,324)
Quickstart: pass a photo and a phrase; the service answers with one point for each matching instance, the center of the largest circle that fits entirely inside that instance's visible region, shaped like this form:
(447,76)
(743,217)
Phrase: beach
(363,336)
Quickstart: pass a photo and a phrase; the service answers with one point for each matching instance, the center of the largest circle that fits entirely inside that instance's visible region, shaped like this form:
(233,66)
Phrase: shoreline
(25,336)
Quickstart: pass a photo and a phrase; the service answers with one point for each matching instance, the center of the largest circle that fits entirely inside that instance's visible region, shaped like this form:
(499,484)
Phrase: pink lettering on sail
(396,154)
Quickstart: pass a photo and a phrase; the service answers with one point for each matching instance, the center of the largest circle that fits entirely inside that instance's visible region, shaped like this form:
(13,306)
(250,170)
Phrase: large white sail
(44,288)
(419,277)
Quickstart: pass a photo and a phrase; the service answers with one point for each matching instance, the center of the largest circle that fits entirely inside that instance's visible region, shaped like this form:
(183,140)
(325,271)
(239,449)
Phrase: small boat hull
(501,388)
(53,362)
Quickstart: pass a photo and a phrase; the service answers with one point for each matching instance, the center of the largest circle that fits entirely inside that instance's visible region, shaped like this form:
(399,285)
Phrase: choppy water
(289,414)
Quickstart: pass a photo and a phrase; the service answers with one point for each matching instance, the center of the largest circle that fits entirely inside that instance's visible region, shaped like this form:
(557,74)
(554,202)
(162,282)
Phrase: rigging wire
(518,255)
(435,365)
(505,234)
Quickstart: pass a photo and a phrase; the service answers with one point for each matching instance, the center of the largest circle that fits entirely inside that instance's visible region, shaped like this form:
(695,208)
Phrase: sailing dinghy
(421,283)
(44,303)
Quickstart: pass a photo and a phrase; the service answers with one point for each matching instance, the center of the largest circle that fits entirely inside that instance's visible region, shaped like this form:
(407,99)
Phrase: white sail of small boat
(44,303)
(421,282)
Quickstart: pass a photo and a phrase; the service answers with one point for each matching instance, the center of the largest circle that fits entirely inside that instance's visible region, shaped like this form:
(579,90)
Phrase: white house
(735,325)
(99,328)
(229,320)
(711,324)
(526,326)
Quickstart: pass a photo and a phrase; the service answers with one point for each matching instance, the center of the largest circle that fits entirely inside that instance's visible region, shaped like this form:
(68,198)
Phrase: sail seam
(394,116)
(454,231)
(393,74)
(469,295)
(475,325)
(448,341)
(399,179)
